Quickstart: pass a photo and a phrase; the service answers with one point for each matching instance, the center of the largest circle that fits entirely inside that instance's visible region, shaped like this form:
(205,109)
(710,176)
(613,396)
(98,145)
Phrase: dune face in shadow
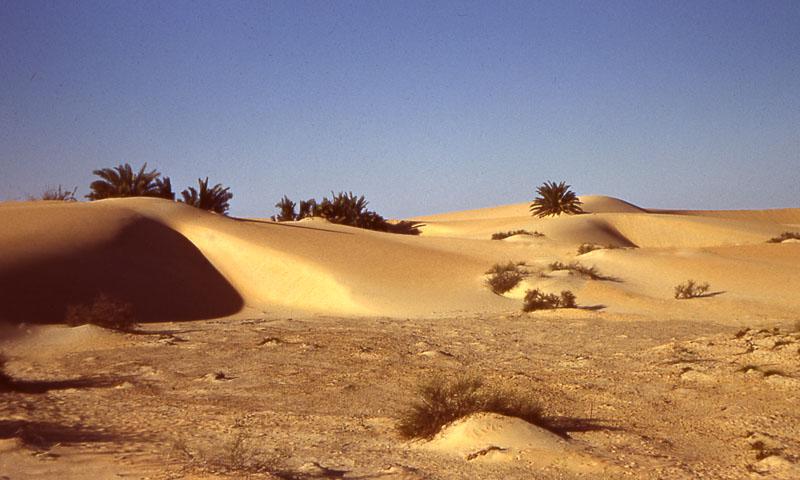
(154,268)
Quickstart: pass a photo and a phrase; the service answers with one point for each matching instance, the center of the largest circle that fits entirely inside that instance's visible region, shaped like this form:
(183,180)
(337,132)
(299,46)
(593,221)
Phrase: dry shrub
(444,400)
(504,277)
(785,236)
(690,289)
(503,235)
(537,300)
(104,311)
(576,268)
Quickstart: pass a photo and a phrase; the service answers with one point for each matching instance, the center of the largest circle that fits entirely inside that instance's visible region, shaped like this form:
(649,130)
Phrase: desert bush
(104,311)
(444,400)
(214,199)
(588,247)
(503,235)
(504,277)
(121,181)
(576,268)
(59,194)
(785,236)
(555,199)
(690,289)
(537,300)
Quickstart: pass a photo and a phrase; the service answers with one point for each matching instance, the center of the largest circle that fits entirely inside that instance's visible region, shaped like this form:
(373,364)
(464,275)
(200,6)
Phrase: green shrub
(690,289)
(444,400)
(785,236)
(555,199)
(104,311)
(504,277)
(537,300)
(504,235)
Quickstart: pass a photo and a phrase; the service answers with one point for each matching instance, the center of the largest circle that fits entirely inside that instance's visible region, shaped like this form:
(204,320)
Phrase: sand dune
(174,262)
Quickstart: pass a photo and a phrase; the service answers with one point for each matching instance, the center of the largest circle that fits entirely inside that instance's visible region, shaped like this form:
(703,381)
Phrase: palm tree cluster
(554,199)
(122,181)
(345,209)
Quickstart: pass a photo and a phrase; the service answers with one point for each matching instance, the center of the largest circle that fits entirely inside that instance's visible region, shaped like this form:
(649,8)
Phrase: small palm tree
(286,208)
(214,199)
(164,189)
(555,199)
(121,181)
(307,208)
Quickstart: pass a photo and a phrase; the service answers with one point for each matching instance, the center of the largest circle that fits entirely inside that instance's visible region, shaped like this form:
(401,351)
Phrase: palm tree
(555,199)
(164,189)
(214,199)
(286,208)
(307,208)
(121,181)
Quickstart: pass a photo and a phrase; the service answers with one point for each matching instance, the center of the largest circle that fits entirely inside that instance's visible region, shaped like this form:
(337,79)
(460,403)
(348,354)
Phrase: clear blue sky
(421,106)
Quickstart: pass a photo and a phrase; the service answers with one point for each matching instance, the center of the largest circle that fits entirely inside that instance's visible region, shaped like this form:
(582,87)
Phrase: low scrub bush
(503,235)
(60,194)
(105,312)
(444,400)
(504,277)
(785,236)
(576,268)
(591,247)
(690,289)
(537,300)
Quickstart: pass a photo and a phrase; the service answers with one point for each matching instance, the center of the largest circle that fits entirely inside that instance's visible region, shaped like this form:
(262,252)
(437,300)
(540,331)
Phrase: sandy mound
(494,436)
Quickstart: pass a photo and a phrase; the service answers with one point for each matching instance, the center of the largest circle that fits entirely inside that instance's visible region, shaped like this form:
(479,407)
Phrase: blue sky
(422,107)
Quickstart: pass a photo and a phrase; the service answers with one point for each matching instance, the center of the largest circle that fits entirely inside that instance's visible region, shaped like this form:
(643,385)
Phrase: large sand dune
(174,262)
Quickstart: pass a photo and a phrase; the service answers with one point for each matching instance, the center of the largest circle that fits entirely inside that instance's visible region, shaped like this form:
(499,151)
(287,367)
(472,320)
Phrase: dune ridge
(175,262)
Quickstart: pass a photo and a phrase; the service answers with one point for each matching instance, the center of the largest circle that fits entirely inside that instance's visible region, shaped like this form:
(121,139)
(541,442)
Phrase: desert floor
(291,350)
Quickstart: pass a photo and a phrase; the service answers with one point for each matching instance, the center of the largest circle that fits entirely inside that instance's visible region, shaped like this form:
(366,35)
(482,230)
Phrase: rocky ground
(320,397)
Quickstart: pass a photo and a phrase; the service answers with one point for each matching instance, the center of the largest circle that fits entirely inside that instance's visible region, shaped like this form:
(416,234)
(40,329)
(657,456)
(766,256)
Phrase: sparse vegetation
(690,289)
(444,400)
(555,199)
(214,199)
(104,311)
(345,209)
(504,277)
(60,194)
(537,300)
(785,236)
(576,268)
(591,247)
(504,235)
(121,181)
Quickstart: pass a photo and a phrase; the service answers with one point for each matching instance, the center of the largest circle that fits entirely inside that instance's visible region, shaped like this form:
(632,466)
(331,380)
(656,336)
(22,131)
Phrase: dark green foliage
(785,236)
(214,199)
(286,208)
(555,199)
(345,209)
(537,300)
(122,181)
(504,277)
(690,289)
(503,235)
(307,208)
(164,188)
(60,194)
(444,400)
(105,312)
